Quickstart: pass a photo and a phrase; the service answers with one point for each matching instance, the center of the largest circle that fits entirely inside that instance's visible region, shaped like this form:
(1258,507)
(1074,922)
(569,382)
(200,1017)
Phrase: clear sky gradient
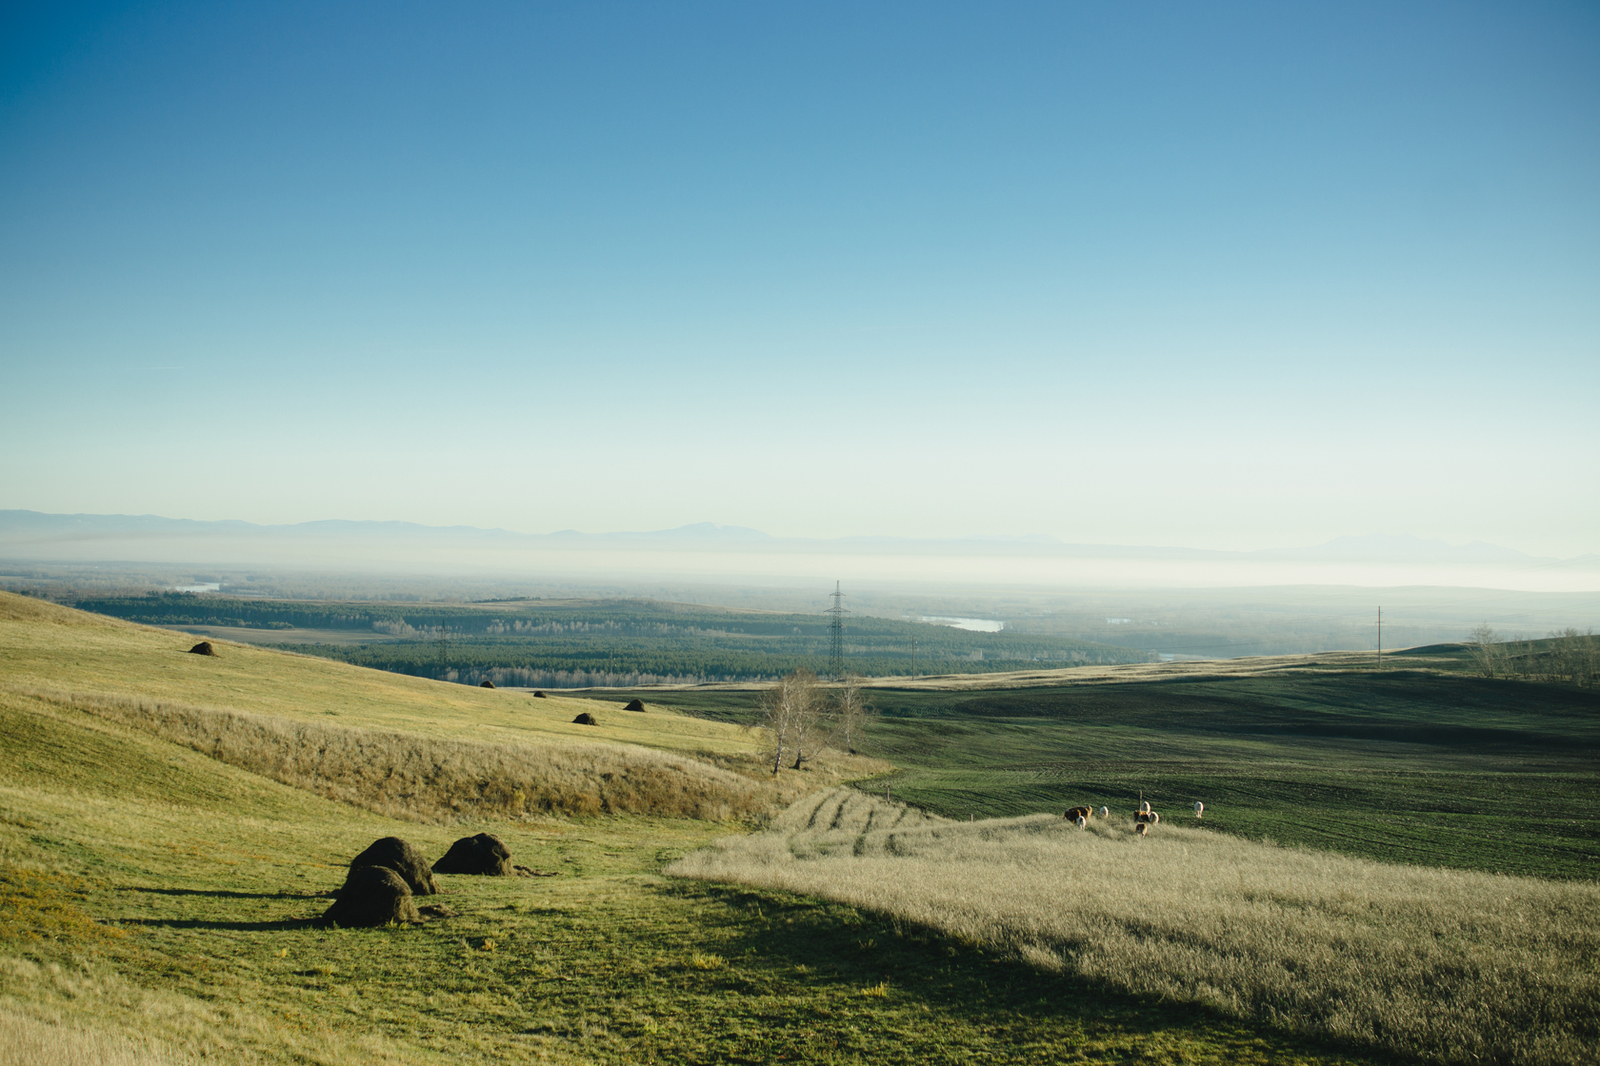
(1218,275)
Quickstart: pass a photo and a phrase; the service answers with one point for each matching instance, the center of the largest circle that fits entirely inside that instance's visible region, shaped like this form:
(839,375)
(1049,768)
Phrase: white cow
(1199,809)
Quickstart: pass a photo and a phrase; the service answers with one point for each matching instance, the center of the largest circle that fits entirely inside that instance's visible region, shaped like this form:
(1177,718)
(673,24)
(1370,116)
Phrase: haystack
(585,718)
(395,854)
(486,683)
(203,648)
(372,895)
(634,704)
(483,854)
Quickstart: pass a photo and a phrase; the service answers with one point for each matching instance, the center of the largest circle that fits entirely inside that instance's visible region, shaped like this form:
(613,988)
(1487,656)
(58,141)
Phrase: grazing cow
(1199,809)
(1079,812)
(1146,816)
(1105,812)
(1144,807)
(1081,821)
(1141,829)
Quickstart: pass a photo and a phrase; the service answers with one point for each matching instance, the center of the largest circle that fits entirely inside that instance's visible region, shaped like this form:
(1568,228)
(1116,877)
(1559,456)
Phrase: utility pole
(444,650)
(836,634)
(913,656)
(1380,638)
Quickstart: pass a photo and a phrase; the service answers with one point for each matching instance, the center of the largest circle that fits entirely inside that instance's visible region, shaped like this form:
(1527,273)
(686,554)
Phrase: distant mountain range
(40,536)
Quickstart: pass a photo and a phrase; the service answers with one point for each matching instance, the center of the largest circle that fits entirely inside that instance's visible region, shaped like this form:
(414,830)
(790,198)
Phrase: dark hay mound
(483,854)
(539,695)
(203,648)
(634,705)
(405,860)
(486,683)
(585,718)
(372,895)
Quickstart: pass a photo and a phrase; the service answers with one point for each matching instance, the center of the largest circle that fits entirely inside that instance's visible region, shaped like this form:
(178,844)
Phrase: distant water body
(976,625)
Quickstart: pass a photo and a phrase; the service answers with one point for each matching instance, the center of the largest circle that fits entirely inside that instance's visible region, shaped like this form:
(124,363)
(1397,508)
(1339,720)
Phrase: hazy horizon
(720,555)
(1230,277)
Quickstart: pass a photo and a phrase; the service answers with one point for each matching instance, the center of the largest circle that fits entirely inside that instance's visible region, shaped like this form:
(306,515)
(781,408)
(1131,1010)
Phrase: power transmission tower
(836,633)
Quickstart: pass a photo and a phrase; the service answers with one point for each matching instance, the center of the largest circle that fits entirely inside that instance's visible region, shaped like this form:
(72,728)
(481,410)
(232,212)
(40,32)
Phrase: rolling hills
(155,879)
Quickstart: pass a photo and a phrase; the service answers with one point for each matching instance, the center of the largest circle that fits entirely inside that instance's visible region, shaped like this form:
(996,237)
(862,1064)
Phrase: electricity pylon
(836,634)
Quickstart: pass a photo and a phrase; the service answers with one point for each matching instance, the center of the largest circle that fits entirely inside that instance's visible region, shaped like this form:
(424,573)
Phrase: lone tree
(1487,652)
(792,712)
(851,712)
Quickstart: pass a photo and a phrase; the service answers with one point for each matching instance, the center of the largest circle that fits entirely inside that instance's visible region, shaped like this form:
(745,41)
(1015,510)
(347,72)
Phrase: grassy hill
(59,649)
(151,886)
(172,825)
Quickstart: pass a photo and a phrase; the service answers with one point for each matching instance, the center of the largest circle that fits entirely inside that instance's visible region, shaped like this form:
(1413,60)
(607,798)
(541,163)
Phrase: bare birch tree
(850,712)
(792,714)
(1484,644)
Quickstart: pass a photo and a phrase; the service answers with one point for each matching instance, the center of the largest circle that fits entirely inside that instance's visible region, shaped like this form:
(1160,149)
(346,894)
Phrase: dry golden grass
(1447,965)
(54,1015)
(1247,666)
(26,1041)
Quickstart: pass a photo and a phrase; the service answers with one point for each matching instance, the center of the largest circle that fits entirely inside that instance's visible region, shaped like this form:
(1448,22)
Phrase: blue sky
(1228,276)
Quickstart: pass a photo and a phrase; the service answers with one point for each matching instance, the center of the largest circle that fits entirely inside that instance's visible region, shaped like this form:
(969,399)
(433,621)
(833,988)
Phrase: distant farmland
(578,644)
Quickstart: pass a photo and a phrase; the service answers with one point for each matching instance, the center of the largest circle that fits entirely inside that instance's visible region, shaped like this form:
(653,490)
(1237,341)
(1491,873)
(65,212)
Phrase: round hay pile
(585,718)
(399,856)
(203,648)
(372,895)
(486,683)
(634,704)
(483,854)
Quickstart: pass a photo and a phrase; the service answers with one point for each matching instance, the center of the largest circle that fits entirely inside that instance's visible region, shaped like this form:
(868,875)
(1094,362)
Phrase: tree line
(1568,656)
(613,642)
(596,664)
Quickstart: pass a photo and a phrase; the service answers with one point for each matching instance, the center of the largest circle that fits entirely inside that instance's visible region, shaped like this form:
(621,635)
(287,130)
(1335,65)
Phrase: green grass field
(148,888)
(1406,764)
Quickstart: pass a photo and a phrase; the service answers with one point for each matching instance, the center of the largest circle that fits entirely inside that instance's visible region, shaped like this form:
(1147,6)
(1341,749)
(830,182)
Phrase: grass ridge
(430,779)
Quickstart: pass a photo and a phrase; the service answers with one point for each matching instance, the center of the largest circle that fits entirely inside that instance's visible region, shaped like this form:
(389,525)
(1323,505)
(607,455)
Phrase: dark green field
(1399,765)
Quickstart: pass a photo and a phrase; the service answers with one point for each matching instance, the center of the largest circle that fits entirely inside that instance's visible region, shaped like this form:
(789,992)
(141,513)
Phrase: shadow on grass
(278,926)
(224,893)
(825,944)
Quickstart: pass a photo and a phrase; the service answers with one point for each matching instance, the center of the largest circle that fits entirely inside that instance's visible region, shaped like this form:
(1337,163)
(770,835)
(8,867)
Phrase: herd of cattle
(1144,817)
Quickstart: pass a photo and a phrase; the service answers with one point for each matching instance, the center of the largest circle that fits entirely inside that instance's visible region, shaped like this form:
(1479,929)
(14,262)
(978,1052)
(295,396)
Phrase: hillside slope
(64,650)
(154,889)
